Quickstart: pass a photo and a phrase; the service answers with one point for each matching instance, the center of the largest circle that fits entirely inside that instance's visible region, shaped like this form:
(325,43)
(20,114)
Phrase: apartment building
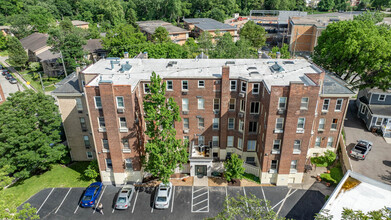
(176,34)
(199,25)
(274,114)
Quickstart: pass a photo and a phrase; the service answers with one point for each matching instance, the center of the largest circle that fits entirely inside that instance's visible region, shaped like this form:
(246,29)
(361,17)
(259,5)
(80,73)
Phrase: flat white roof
(358,192)
(252,70)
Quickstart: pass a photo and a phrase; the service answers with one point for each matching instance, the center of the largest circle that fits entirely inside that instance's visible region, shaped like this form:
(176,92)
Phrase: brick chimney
(126,55)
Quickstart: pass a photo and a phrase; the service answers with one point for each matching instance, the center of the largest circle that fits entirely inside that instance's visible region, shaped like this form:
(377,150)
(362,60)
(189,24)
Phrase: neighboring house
(80,24)
(199,25)
(2,96)
(275,114)
(5,30)
(176,34)
(94,50)
(374,108)
(359,193)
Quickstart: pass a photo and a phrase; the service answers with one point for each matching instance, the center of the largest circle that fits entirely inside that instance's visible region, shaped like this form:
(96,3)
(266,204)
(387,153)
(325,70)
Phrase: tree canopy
(29,133)
(358,51)
(164,151)
(160,35)
(17,55)
(233,168)
(256,34)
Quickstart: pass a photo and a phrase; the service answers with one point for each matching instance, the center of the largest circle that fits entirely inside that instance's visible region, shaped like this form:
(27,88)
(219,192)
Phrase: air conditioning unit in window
(184,93)
(185,112)
(186,131)
(217,82)
(241,94)
(240,114)
(120,110)
(281,111)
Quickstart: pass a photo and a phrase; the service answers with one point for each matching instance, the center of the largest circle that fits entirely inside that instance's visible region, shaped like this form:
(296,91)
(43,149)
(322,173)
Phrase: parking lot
(377,164)
(187,202)
(8,87)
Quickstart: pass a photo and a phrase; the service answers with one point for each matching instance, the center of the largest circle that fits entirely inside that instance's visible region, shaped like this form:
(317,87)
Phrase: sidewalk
(310,183)
(16,73)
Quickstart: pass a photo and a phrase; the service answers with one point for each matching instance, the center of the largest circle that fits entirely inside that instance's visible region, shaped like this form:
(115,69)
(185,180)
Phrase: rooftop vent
(276,68)
(254,72)
(288,62)
(251,68)
(229,62)
(171,63)
(334,19)
(125,67)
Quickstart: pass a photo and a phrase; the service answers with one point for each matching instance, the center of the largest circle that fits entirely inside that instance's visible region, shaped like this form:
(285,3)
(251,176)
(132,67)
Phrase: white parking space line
(100,197)
(134,203)
(44,201)
(192,192)
(194,201)
(77,208)
(113,210)
(62,201)
(199,189)
(287,196)
(283,201)
(264,197)
(173,197)
(208,198)
(153,204)
(200,195)
(226,197)
(200,202)
(244,192)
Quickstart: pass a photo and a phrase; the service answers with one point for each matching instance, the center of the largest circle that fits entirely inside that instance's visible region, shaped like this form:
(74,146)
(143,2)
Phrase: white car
(124,197)
(163,196)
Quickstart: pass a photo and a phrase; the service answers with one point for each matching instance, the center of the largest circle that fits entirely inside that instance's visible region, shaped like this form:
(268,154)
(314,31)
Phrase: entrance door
(200,170)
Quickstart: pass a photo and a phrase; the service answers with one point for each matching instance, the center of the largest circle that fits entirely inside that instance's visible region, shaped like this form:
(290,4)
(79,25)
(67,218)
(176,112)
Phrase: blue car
(91,194)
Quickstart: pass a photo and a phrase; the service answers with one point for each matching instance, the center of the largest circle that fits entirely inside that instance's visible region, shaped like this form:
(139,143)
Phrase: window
(102,124)
(185,123)
(216,104)
(129,164)
(241,125)
(300,124)
(252,128)
(363,109)
(216,123)
(201,140)
(317,141)
(105,143)
(79,105)
(276,146)
(273,166)
(382,98)
(98,102)
(244,87)
(120,102)
(338,105)
(379,121)
(122,123)
(169,85)
(242,105)
(87,143)
(280,124)
(240,143)
(254,108)
(185,86)
(322,121)
(296,147)
(334,124)
(251,145)
(200,123)
(326,104)
(293,166)
(200,103)
(109,164)
(282,103)
(201,84)
(215,141)
(231,123)
(230,141)
(330,142)
(250,160)
(146,88)
(255,88)
(89,155)
(232,103)
(185,104)
(125,143)
(304,103)
(233,85)
(83,124)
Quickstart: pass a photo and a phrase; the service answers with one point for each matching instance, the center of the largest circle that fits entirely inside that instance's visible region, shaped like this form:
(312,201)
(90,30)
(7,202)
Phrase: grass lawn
(335,175)
(251,177)
(58,176)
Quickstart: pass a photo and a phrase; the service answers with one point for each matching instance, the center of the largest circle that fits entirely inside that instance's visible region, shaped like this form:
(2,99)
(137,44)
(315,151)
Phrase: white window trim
(199,84)
(273,170)
(256,127)
(324,124)
(320,142)
(276,151)
(236,85)
(257,112)
(123,101)
(382,100)
(253,88)
(279,130)
(241,86)
(187,82)
(255,146)
(98,107)
(92,155)
(282,108)
(332,141)
(107,167)
(239,128)
(183,109)
(214,105)
(332,123)
(301,102)
(79,105)
(188,124)
(218,123)
(101,129)
(233,127)
(123,129)
(199,122)
(229,104)
(297,151)
(300,130)
(328,105)
(198,103)
(232,143)
(336,104)
(146,85)
(240,143)
(172,84)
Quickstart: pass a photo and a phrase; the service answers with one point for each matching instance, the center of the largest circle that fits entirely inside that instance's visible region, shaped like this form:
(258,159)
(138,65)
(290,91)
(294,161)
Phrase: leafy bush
(326,160)
(335,175)
(92,170)
(233,168)
(251,177)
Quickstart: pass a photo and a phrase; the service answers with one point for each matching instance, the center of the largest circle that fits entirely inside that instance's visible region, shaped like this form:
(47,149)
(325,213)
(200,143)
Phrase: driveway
(377,165)
(63,203)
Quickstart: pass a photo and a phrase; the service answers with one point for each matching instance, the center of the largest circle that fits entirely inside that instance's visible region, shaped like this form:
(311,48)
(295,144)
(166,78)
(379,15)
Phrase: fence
(344,157)
(251,169)
(185,169)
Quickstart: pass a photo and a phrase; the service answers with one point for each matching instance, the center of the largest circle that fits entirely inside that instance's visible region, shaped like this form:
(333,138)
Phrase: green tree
(254,33)
(92,171)
(5,178)
(93,31)
(160,35)
(225,47)
(326,5)
(29,133)
(349,214)
(374,17)
(191,47)
(20,25)
(233,168)
(3,42)
(244,50)
(39,18)
(17,55)
(164,151)
(10,7)
(112,11)
(217,14)
(357,51)
(205,41)
(247,207)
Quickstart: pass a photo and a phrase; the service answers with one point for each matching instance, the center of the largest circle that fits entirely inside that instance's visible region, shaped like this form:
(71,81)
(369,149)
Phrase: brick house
(274,114)
(199,25)
(176,34)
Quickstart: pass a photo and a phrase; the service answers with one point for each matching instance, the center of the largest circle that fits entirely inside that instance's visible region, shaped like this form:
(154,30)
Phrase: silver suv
(124,197)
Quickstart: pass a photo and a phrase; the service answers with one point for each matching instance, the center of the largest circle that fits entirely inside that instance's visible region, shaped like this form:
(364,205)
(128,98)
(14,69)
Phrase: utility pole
(43,87)
(63,65)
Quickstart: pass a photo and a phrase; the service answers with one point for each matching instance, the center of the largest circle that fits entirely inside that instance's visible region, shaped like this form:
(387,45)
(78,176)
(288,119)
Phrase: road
(11,89)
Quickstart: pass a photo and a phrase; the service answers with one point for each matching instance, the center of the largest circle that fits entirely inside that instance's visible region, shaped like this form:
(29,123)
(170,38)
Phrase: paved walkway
(310,183)
(200,181)
(16,73)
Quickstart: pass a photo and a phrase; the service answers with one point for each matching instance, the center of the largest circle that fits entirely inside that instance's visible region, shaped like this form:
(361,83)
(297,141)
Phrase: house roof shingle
(34,41)
(209,24)
(93,46)
(69,84)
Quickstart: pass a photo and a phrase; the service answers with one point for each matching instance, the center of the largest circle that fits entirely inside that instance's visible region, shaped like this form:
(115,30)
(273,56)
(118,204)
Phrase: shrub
(326,160)
(251,177)
(335,175)
(92,171)
(233,168)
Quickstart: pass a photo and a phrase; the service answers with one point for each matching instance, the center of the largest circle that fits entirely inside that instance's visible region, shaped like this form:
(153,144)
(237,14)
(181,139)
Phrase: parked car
(8,76)
(4,72)
(13,80)
(361,150)
(1,67)
(91,194)
(124,197)
(163,196)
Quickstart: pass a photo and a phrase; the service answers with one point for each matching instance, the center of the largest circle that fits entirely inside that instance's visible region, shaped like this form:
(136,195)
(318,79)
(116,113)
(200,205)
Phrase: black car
(4,72)
(8,76)
(13,80)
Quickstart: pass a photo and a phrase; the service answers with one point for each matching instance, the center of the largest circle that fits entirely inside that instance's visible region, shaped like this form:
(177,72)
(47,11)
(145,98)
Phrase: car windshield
(87,198)
(121,200)
(161,199)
